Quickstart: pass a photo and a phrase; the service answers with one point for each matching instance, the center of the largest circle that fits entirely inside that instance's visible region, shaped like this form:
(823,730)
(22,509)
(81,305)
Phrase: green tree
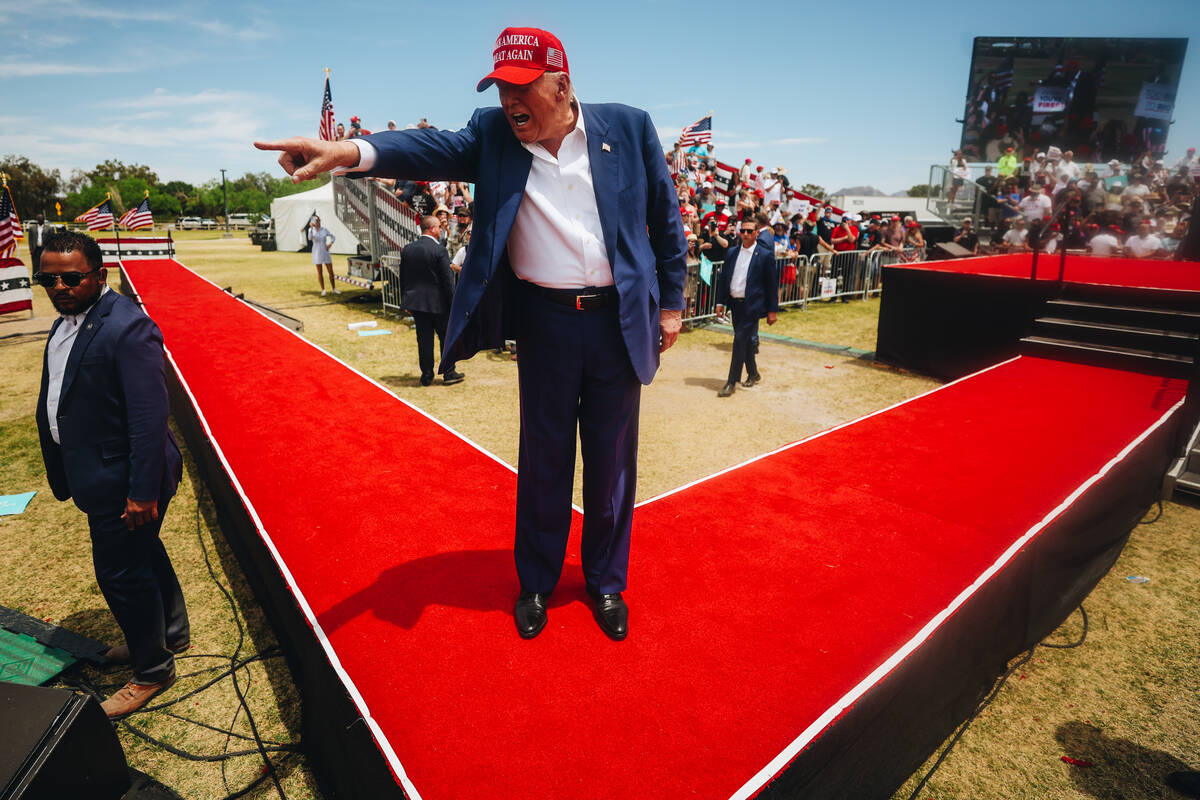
(812,190)
(920,190)
(112,171)
(33,188)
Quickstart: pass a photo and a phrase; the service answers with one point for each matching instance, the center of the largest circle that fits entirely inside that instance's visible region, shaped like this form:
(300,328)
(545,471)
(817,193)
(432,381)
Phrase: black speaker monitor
(57,744)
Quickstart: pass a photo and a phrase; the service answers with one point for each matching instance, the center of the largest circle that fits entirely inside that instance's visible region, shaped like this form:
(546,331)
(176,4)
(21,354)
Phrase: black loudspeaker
(55,744)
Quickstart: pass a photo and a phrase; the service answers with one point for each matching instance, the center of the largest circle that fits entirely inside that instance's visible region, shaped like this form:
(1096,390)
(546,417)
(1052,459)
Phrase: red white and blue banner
(16,290)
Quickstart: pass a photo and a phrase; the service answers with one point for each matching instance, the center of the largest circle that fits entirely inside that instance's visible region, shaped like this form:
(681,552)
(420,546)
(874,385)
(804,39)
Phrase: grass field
(1126,700)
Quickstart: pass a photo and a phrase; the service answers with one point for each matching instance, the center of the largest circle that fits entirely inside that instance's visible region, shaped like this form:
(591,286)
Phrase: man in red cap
(578,253)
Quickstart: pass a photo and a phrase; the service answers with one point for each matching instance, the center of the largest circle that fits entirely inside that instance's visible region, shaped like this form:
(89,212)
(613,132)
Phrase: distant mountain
(901,193)
(860,191)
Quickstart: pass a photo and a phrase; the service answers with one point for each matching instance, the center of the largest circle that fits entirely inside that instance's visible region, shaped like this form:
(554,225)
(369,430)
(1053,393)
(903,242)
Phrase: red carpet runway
(842,555)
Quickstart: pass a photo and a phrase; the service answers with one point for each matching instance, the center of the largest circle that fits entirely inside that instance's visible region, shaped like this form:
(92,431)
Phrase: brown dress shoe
(120,653)
(132,696)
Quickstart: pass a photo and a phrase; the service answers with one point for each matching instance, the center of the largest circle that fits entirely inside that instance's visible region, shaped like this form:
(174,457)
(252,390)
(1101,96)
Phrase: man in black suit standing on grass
(426,289)
(102,419)
(749,288)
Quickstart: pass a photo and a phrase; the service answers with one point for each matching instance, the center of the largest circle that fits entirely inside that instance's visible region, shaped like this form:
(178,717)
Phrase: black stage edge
(889,733)
(948,324)
(341,751)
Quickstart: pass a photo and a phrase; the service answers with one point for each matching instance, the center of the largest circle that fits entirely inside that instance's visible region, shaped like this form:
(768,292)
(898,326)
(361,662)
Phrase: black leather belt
(587,299)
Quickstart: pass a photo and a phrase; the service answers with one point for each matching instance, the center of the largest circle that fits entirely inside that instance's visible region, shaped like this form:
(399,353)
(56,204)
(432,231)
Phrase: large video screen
(1101,98)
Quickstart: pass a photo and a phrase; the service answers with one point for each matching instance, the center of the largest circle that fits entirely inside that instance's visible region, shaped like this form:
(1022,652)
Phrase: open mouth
(520,120)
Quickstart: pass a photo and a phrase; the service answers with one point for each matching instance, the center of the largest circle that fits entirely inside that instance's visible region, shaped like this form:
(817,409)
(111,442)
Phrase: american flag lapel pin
(604,146)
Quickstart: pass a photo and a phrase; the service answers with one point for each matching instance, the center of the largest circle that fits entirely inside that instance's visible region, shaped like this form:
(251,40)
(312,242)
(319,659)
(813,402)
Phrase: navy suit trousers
(427,324)
(745,341)
(137,580)
(574,374)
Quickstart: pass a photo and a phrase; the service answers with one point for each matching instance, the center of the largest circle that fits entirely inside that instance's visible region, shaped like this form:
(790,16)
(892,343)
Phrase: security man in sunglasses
(102,418)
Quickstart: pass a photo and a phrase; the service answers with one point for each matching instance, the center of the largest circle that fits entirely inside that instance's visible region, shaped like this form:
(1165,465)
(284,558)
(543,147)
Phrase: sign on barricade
(828,288)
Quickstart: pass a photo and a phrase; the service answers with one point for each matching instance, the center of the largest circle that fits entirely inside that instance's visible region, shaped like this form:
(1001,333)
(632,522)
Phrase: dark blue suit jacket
(762,281)
(639,213)
(112,413)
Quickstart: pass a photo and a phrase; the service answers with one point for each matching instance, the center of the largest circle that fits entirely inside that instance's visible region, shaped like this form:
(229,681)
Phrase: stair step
(1123,308)
(1131,352)
(1109,355)
(1188,482)
(1115,334)
(1163,317)
(1119,328)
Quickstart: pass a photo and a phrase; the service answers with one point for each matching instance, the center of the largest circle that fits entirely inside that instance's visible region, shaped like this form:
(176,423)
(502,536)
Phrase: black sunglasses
(748,230)
(69,279)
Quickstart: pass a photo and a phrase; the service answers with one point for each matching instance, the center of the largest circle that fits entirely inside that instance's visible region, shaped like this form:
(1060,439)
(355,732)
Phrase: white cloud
(162,98)
(29,69)
(800,140)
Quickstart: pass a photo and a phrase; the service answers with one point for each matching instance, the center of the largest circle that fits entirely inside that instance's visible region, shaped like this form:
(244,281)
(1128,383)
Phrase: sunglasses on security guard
(69,279)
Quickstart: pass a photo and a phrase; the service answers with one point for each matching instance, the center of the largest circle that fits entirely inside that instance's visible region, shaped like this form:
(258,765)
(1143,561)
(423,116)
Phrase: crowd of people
(1141,210)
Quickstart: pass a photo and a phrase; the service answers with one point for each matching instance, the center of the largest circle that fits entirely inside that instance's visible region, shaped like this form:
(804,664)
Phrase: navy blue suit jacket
(639,214)
(112,413)
(762,282)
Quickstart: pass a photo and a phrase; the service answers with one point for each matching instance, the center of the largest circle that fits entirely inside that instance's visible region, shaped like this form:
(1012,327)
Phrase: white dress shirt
(556,240)
(57,354)
(741,268)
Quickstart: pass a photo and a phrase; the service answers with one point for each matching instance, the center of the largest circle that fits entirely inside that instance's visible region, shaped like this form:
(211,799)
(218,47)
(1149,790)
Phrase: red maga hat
(522,55)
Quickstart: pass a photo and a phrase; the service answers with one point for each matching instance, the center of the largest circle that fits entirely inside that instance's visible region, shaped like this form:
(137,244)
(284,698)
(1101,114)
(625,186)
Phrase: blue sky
(842,95)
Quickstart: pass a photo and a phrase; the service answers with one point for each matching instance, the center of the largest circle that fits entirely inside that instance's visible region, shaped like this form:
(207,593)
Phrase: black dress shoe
(727,389)
(426,380)
(751,380)
(612,614)
(452,377)
(530,614)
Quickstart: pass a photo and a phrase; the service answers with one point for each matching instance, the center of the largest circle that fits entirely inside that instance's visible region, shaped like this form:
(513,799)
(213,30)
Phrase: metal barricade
(389,267)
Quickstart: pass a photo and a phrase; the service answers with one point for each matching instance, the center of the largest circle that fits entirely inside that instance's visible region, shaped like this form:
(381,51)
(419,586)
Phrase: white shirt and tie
(57,353)
(741,268)
(556,240)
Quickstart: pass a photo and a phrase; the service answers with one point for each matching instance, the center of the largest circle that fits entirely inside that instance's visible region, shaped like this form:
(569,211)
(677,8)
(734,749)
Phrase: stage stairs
(1142,331)
(1184,474)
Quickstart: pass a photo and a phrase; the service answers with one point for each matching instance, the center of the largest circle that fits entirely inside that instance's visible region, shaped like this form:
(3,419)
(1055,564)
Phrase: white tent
(292,212)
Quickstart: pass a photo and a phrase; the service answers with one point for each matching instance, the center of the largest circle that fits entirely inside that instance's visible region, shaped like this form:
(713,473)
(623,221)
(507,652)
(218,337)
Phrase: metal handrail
(1056,212)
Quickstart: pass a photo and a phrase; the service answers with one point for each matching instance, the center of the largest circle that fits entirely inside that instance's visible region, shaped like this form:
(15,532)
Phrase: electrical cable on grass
(992,696)
(236,664)
(262,748)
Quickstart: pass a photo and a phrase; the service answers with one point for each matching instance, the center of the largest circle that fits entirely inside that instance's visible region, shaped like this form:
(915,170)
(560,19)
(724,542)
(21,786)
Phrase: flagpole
(116,232)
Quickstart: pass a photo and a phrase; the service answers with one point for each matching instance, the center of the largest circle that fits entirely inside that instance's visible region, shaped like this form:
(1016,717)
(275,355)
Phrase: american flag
(698,132)
(554,57)
(97,217)
(1002,79)
(10,224)
(326,130)
(137,218)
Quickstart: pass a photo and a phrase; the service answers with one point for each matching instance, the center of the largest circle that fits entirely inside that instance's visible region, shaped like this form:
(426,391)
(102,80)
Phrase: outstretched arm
(304,158)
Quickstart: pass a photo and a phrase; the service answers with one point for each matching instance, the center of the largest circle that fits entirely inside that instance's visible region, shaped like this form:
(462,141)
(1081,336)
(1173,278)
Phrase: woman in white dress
(321,238)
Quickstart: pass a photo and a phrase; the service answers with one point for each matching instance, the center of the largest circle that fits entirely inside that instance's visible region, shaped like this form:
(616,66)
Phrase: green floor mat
(25,660)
